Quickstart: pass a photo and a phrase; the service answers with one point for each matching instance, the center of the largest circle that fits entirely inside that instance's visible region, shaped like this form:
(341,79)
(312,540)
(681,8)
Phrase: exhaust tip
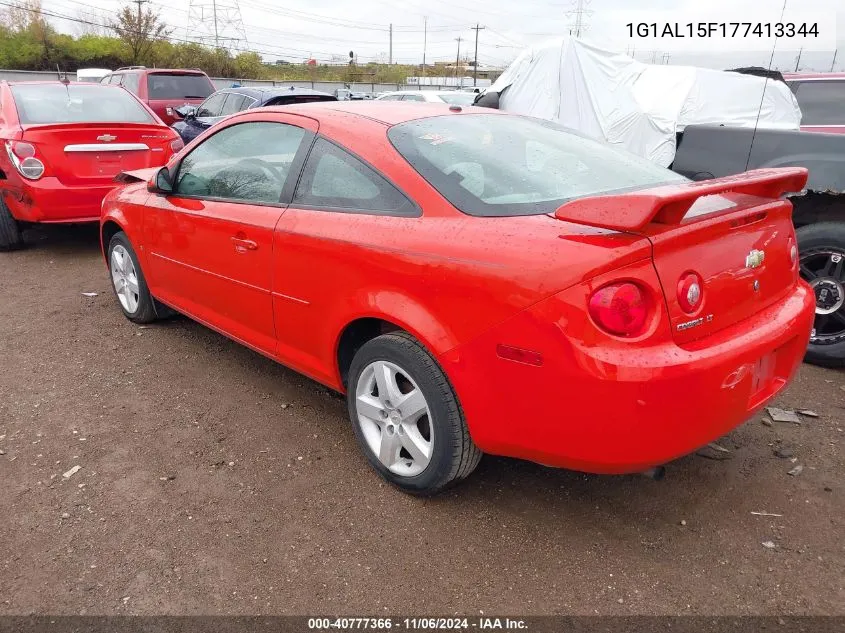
(657,473)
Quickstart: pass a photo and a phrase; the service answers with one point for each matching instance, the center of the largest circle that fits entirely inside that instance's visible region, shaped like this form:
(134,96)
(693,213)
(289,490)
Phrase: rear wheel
(406,416)
(822,255)
(128,281)
(11,237)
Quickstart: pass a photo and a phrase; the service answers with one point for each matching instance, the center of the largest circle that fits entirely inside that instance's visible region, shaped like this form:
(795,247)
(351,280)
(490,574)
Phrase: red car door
(210,242)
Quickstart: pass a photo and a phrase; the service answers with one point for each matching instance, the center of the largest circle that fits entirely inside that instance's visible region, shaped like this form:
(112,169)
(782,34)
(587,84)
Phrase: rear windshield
(176,86)
(500,165)
(77,103)
(286,100)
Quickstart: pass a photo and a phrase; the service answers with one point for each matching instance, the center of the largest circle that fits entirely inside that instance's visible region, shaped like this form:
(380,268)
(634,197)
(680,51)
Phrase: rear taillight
(177,144)
(621,309)
(690,292)
(23,158)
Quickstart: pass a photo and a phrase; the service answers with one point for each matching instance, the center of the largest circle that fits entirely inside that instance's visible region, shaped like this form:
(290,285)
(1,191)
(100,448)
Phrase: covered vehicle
(474,281)
(638,107)
(453,97)
(63,144)
(197,119)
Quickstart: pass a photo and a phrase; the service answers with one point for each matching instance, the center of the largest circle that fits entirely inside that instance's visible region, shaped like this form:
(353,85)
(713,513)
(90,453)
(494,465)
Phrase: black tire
(818,240)
(11,236)
(453,455)
(145,310)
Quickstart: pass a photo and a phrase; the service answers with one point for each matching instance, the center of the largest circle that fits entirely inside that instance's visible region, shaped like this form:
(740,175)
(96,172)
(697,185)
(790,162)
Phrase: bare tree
(139,28)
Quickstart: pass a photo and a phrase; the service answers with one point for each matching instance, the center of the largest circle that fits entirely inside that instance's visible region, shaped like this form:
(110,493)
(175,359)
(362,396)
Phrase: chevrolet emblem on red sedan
(106,138)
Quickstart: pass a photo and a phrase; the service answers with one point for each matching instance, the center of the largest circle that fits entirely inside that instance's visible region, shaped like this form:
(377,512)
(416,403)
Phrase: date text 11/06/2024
(723,29)
(417,624)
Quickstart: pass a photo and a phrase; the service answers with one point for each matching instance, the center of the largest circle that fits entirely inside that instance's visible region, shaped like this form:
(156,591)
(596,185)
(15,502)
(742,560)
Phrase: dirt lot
(214,481)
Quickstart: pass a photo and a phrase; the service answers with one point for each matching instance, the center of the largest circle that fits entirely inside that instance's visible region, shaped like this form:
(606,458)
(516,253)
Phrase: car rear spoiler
(138,175)
(669,204)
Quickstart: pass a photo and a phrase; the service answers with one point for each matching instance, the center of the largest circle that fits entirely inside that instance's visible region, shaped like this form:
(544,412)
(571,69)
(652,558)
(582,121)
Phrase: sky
(327,30)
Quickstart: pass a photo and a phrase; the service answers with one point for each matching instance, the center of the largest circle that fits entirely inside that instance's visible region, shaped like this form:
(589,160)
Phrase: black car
(197,119)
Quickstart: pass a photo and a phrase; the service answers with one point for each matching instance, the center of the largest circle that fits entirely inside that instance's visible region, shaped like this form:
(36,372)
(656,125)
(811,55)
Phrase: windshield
(458,98)
(178,86)
(77,103)
(500,165)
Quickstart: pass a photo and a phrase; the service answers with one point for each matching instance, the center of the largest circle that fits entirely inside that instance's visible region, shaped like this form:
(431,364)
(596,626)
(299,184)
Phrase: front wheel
(822,256)
(406,416)
(128,281)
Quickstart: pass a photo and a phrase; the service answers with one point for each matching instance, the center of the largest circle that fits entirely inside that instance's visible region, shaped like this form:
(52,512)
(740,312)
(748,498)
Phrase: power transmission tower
(578,15)
(216,23)
(476,28)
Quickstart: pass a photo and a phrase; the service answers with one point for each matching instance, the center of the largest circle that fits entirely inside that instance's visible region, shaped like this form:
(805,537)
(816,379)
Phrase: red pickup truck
(821,97)
(163,89)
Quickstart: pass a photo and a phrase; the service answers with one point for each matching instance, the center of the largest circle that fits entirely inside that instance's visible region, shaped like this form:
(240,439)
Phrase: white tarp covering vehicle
(640,107)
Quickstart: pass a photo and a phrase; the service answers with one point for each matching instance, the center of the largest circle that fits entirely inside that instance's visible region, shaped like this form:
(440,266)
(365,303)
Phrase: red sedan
(63,145)
(475,281)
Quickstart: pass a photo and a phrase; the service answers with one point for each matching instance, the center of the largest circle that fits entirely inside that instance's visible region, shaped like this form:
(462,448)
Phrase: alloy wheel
(824,270)
(394,418)
(125,278)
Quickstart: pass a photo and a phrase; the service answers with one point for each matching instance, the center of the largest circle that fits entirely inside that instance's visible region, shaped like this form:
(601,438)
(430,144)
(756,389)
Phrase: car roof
(263,93)
(161,71)
(42,82)
(386,112)
(791,76)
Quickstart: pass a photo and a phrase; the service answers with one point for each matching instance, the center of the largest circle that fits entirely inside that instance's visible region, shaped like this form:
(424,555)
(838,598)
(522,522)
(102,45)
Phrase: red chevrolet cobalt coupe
(475,281)
(62,146)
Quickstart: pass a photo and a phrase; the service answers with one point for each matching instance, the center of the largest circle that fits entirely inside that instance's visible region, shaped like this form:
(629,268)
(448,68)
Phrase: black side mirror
(161,182)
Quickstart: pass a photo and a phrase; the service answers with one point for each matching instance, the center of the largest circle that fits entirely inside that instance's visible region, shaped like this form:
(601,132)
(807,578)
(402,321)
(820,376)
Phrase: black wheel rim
(824,270)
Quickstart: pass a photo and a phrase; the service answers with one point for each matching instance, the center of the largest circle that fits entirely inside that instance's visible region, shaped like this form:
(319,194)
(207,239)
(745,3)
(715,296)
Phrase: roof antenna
(763,96)
(62,78)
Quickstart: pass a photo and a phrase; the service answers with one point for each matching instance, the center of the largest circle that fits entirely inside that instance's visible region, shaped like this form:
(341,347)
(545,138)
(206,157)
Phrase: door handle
(242,245)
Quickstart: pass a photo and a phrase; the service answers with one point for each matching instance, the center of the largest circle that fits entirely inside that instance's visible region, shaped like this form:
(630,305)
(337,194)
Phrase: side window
(132,81)
(391,98)
(821,102)
(413,98)
(213,105)
(234,103)
(247,162)
(115,80)
(335,179)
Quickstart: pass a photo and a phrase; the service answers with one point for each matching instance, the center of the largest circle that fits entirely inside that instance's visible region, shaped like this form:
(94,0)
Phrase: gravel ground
(212,480)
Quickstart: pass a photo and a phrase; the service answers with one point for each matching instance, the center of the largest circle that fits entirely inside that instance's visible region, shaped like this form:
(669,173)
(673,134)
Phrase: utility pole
(139,3)
(216,33)
(833,63)
(425,41)
(798,59)
(476,28)
(458,57)
(390,59)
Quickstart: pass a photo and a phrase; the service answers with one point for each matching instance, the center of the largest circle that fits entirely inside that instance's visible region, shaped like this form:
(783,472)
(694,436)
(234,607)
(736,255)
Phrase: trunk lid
(734,233)
(739,245)
(80,154)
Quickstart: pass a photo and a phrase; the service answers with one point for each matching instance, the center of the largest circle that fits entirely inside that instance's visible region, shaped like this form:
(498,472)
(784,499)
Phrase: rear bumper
(606,408)
(48,200)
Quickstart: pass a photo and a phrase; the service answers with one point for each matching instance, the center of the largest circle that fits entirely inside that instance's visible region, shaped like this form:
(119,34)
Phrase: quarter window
(247,162)
(334,179)
(132,82)
(821,102)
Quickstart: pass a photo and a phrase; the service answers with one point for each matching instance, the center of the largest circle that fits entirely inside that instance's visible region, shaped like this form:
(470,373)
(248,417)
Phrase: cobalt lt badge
(755,259)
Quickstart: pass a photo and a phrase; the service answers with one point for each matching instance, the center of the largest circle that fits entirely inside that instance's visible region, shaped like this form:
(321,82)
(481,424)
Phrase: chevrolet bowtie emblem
(106,138)
(754,259)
